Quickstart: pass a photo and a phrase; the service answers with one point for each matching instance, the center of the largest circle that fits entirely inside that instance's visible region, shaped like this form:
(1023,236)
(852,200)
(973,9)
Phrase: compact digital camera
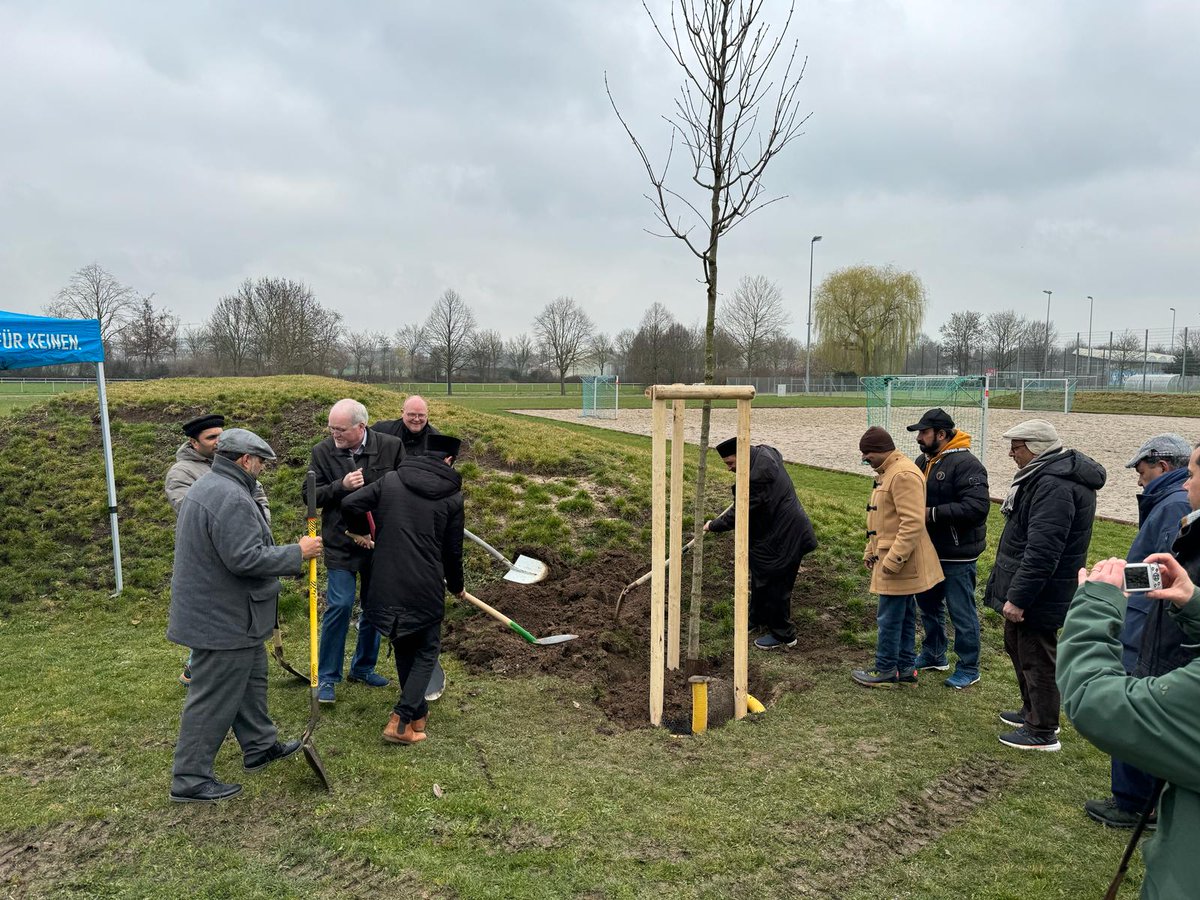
(1142,577)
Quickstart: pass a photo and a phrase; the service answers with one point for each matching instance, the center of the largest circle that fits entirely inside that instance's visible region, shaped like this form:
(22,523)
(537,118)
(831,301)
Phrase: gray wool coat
(225,582)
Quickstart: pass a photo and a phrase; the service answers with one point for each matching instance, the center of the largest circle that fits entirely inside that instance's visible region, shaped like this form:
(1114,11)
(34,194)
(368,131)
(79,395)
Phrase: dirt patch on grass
(29,857)
(35,771)
(614,657)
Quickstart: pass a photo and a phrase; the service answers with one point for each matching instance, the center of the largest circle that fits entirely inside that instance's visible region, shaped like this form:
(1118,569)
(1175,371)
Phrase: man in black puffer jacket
(418,548)
(956,511)
(1049,512)
(780,537)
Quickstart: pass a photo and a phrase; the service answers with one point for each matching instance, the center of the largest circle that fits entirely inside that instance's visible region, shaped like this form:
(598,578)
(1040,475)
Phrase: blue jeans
(895,648)
(340,598)
(956,594)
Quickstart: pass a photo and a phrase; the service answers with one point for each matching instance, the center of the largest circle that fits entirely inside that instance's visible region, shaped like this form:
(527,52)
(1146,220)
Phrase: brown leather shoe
(398,732)
(418,725)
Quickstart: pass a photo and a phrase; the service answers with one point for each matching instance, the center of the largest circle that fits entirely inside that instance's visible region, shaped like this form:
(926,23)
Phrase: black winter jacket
(1045,539)
(380,456)
(781,534)
(956,495)
(1164,645)
(418,512)
(411,444)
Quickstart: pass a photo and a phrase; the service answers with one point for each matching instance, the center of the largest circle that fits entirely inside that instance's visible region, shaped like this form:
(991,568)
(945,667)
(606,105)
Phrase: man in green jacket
(1152,723)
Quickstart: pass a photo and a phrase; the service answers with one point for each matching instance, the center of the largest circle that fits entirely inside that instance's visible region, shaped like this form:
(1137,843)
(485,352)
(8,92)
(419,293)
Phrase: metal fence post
(1145,359)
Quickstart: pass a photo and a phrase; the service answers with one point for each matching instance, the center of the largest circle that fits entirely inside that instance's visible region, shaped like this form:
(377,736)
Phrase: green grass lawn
(1131,403)
(835,792)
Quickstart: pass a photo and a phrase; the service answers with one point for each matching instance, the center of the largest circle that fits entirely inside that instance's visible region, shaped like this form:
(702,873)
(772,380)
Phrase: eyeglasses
(416,417)
(1015,447)
(334,429)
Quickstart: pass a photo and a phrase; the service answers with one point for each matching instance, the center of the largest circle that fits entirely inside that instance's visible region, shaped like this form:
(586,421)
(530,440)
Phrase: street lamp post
(808,340)
(1172,329)
(1046,358)
(1091,303)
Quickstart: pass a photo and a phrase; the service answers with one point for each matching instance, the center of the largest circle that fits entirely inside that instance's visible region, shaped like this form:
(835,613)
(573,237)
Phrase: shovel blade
(314,762)
(527,570)
(556,639)
(277,652)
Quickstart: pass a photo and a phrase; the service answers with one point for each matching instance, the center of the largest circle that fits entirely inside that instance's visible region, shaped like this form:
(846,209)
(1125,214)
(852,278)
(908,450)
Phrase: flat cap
(1032,430)
(1169,446)
(442,445)
(727,447)
(934,418)
(200,424)
(241,442)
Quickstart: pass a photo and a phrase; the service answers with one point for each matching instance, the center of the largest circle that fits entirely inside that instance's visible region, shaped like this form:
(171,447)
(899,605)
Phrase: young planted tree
(563,329)
(450,327)
(736,111)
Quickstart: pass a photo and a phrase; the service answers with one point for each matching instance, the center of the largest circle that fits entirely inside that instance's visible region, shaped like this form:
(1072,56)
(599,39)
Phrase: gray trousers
(228,690)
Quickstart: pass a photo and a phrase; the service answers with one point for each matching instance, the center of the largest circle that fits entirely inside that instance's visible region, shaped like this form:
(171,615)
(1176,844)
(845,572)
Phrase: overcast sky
(382,152)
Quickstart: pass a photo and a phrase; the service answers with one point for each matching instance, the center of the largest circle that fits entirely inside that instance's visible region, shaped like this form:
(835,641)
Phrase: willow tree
(736,110)
(868,317)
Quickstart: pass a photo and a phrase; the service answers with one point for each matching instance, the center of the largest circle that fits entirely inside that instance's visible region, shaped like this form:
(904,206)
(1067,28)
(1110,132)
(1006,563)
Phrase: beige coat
(896,536)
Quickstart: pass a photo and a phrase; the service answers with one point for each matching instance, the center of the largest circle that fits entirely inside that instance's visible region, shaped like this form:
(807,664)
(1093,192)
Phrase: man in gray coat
(224,590)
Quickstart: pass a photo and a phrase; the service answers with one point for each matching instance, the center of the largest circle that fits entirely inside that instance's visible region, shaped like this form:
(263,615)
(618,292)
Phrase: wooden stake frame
(665,614)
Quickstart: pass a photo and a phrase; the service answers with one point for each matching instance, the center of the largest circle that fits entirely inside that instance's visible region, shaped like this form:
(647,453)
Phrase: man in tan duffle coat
(899,555)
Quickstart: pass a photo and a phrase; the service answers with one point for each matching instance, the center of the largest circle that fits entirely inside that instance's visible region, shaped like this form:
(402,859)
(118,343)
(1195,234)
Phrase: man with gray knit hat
(1048,524)
(1152,644)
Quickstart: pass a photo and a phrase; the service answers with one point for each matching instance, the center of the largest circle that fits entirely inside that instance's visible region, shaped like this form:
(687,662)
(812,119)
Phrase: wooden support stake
(675,571)
(658,548)
(741,563)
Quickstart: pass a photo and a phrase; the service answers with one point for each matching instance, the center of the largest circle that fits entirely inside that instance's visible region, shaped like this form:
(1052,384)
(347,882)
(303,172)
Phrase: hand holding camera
(1176,585)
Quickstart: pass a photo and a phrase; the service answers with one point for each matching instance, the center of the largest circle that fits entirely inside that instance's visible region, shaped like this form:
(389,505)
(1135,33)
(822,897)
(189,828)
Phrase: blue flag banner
(29,341)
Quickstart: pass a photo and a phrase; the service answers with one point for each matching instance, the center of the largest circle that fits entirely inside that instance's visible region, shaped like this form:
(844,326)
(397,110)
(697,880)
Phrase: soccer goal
(896,401)
(1052,394)
(601,396)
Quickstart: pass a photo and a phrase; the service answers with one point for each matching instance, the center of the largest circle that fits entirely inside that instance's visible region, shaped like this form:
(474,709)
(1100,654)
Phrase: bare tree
(645,360)
(93,293)
(149,336)
(519,350)
(1002,332)
(563,329)
(752,316)
(360,345)
(1037,344)
(731,121)
(600,350)
(962,335)
(229,331)
(1124,352)
(449,328)
(273,325)
(487,347)
(621,347)
(410,341)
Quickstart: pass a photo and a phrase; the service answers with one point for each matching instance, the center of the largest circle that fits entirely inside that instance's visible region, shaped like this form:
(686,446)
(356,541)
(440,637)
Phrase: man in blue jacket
(1161,465)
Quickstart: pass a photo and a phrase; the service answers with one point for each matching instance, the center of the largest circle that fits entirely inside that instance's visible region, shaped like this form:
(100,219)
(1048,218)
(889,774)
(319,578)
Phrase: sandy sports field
(828,438)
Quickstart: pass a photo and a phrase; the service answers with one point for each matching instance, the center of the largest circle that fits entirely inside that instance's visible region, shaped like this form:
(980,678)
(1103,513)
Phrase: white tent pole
(110,478)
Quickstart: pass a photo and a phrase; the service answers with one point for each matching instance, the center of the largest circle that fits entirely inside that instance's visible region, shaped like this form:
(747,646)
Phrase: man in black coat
(418,547)
(352,455)
(1049,512)
(413,428)
(956,511)
(780,537)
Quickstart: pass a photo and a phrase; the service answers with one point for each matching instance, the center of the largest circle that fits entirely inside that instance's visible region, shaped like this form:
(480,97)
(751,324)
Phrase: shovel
(277,652)
(629,587)
(526,570)
(314,708)
(501,617)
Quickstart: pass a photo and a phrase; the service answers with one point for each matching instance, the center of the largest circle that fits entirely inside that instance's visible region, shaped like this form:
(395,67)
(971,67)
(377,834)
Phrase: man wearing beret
(1048,525)
(224,591)
(956,511)
(900,557)
(418,547)
(192,460)
(781,535)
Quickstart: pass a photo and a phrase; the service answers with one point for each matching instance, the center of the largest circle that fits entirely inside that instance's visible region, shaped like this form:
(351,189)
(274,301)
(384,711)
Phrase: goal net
(600,396)
(1051,394)
(896,401)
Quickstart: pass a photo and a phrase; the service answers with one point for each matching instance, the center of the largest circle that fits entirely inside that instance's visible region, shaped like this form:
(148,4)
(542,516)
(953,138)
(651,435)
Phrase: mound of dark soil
(613,657)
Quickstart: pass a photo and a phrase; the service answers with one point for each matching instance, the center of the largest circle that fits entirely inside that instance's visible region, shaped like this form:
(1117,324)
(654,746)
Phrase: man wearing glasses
(352,455)
(412,428)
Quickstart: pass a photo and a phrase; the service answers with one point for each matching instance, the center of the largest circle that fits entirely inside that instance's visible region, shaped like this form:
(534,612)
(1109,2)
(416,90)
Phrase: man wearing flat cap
(1048,515)
(418,549)
(224,590)
(780,534)
(192,460)
(956,511)
(900,557)
(1152,644)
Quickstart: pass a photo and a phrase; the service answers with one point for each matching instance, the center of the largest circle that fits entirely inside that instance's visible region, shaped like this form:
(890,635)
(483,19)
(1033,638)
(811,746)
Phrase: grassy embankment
(835,792)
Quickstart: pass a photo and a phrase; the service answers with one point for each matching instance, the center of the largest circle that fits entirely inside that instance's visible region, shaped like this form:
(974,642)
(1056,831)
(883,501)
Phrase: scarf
(1010,500)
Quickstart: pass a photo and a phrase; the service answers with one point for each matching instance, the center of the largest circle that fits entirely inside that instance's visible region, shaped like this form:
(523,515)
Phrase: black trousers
(771,601)
(416,655)
(1034,654)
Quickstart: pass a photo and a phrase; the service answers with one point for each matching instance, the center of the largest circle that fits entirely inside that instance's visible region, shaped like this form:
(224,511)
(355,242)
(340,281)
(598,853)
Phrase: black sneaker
(1024,739)
(907,679)
(874,679)
(1106,812)
(1016,720)
(264,759)
(210,792)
